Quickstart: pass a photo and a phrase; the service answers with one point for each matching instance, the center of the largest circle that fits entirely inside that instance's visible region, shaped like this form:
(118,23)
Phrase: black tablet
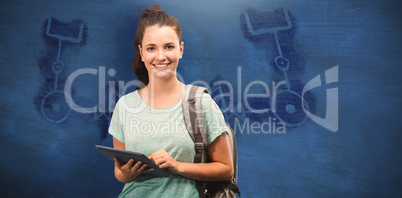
(124,156)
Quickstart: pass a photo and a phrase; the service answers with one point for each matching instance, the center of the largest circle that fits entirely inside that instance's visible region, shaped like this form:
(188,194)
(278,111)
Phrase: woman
(150,120)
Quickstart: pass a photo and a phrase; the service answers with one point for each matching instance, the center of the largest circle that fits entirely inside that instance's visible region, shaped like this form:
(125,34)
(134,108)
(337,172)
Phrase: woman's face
(161,51)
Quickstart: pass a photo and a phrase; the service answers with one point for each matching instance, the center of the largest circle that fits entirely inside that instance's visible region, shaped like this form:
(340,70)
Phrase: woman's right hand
(129,171)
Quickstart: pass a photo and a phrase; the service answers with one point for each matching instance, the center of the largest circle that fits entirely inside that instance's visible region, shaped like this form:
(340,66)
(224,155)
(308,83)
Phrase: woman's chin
(162,74)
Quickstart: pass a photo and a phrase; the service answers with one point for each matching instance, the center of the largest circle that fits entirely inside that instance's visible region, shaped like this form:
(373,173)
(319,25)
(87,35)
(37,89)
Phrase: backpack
(195,125)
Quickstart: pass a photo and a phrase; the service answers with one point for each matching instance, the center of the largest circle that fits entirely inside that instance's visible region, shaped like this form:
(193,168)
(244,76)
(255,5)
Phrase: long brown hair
(149,17)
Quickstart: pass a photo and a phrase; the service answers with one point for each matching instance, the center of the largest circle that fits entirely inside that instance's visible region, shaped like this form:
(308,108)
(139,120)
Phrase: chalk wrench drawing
(288,96)
(53,103)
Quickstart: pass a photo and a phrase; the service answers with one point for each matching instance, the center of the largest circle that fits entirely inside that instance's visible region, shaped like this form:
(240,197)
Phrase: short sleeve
(116,123)
(214,121)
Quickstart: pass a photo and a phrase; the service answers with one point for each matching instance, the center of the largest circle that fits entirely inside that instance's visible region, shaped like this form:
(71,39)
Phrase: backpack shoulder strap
(193,117)
(233,150)
(195,124)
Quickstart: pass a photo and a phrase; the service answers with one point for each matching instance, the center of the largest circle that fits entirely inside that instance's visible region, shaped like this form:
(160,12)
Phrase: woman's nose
(160,55)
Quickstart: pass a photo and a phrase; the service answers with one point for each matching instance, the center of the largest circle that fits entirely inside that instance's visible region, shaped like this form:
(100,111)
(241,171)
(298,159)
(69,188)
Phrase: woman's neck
(159,87)
(161,94)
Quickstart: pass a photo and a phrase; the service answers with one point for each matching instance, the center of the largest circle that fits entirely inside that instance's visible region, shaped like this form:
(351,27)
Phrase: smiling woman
(153,16)
(159,47)
(160,51)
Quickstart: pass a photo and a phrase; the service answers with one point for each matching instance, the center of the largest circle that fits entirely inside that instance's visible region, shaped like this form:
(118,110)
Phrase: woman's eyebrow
(153,45)
(150,44)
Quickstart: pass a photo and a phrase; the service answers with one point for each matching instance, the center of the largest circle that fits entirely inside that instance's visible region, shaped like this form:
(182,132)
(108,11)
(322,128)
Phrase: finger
(148,170)
(142,168)
(154,158)
(160,157)
(157,154)
(162,151)
(117,163)
(130,163)
(160,161)
(136,166)
(164,165)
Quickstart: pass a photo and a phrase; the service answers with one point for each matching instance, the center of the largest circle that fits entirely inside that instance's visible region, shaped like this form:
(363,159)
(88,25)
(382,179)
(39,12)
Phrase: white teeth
(161,65)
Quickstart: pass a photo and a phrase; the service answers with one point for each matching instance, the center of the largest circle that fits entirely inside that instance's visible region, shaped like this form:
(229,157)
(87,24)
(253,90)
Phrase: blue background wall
(47,149)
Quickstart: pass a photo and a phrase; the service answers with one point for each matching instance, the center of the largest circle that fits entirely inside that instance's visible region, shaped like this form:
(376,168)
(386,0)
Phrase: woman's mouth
(161,66)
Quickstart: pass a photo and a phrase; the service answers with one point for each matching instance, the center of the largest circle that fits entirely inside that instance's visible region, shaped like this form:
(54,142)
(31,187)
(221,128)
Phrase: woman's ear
(140,50)
(181,49)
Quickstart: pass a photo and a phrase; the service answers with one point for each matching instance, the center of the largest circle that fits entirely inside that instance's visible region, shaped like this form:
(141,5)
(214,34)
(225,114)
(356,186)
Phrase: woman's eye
(150,49)
(169,47)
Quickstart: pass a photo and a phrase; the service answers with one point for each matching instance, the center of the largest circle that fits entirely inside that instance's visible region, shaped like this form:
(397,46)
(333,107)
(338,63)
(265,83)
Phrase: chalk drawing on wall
(285,104)
(57,36)
(220,94)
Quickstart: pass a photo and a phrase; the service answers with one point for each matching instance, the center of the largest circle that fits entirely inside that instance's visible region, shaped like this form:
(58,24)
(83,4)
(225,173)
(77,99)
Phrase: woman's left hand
(164,160)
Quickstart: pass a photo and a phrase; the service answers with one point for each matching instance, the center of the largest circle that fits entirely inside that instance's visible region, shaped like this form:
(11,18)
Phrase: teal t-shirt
(148,130)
